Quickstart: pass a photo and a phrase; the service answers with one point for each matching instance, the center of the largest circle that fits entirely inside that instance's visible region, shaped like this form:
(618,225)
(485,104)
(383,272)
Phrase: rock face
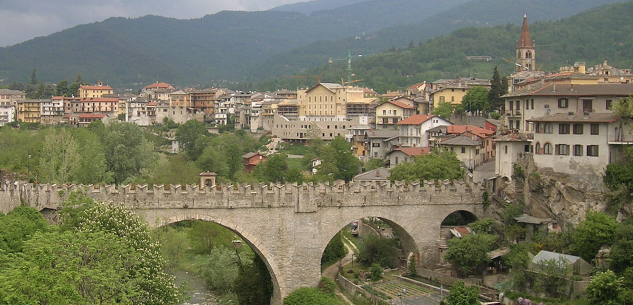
(548,194)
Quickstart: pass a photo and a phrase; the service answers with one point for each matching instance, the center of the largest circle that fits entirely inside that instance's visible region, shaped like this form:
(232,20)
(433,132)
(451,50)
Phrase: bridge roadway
(289,226)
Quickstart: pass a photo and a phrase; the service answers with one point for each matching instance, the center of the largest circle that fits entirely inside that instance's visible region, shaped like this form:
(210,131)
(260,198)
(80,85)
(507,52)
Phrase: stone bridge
(289,226)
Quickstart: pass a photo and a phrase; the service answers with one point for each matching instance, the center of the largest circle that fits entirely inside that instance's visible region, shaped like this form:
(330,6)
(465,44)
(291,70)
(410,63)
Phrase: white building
(413,130)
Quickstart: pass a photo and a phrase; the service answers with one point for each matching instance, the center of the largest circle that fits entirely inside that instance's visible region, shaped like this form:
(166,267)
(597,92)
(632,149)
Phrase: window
(463,150)
(563,128)
(548,128)
(538,128)
(562,149)
(506,148)
(578,128)
(375,144)
(594,129)
(577,150)
(592,150)
(609,102)
(562,103)
(547,149)
(587,105)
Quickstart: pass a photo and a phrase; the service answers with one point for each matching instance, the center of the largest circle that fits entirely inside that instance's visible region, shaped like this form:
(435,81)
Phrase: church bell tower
(526,59)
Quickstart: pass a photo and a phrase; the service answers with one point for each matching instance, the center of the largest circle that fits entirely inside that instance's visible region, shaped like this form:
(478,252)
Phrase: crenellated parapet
(304,198)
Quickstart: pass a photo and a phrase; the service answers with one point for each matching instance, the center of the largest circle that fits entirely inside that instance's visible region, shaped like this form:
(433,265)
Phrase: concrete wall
(289,226)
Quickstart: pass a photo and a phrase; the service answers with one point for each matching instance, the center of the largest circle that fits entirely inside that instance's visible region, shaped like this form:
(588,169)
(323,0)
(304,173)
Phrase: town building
(10,97)
(454,90)
(388,114)
(405,154)
(413,130)
(381,142)
(89,91)
(28,111)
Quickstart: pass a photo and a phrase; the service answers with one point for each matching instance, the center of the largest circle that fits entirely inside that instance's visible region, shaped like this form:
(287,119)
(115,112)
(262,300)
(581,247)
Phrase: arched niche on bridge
(251,241)
(459,218)
(406,241)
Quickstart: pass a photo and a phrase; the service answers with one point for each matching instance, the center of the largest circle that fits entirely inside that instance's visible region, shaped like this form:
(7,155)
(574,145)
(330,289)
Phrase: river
(199,294)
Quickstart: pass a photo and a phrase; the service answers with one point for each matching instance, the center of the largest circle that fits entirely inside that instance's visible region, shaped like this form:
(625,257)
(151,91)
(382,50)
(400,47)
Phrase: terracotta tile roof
(152,103)
(414,151)
(415,119)
(400,104)
(99,99)
(457,129)
(159,86)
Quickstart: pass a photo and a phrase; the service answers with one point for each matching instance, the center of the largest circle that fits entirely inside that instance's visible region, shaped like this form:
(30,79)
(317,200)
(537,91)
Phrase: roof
(513,137)
(95,87)
(453,129)
(379,174)
(499,252)
(460,141)
(400,104)
(99,99)
(250,155)
(413,151)
(415,119)
(11,92)
(461,231)
(525,41)
(544,256)
(590,117)
(382,134)
(329,86)
(159,86)
(497,123)
(562,90)
(525,218)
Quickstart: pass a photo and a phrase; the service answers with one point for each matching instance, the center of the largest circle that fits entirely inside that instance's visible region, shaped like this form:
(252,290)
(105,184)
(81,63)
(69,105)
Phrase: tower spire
(525,41)
(526,51)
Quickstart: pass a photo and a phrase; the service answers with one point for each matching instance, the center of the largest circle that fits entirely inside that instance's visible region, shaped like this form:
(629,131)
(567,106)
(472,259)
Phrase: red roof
(415,119)
(457,129)
(152,103)
(159,86)
(400,104)
(414,151)
(91,116)
(416,86)
(462,231)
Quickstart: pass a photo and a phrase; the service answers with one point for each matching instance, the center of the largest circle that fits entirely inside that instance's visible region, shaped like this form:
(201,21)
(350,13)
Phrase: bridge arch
(459,217)
(253,242)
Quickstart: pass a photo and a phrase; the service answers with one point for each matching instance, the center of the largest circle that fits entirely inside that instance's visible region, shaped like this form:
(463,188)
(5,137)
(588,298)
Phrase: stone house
(381,142)
(405,154)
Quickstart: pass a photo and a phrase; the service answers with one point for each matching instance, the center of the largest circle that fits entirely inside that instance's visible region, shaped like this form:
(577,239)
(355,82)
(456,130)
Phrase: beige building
(10,97)
(29,111)
(454,90)
(328,100)
(99,90)
(388,114)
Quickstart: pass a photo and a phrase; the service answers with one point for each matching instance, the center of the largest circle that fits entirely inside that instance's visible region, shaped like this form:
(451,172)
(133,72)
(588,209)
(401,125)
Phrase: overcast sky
(21,20)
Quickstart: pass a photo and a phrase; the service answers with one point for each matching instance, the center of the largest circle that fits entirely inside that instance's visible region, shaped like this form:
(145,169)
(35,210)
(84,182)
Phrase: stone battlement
(304,198)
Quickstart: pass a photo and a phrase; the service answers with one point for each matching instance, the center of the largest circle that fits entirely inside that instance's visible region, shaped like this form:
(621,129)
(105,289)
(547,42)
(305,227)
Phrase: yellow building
(327,100)
(29,111)
(94,91)
(454,90)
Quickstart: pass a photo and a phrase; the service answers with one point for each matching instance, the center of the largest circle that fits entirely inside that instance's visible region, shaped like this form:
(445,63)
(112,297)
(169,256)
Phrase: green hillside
(589,37)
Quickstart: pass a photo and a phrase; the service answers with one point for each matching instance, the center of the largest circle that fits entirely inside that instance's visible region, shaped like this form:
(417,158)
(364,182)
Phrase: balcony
(513,113)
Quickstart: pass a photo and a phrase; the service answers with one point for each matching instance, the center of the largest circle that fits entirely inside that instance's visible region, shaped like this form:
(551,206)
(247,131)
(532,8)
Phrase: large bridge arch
(252,241)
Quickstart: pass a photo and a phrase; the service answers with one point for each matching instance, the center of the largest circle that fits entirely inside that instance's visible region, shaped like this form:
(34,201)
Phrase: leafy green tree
(59,158)
(374,164)
(273,169)
(334,250)
(153,285)
(443,109)
(373,249)
(348,165)
(518,259)
(483,225)
(18,225)
(621,255)
(476,100)
(74,87)
(597,230)
(462,295)
(434,166)
(220,269)
(469,253)
(205,236)
(310,296)
(126,150)
(191,137)
(62,89)
(550,277)
(174,245)
(74,268)
(605,288)
(497,90)
(253,284)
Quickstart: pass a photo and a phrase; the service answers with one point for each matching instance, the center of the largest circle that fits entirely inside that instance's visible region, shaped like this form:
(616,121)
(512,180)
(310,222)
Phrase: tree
(497,90)
(220,269)
(434,166)
(621,255)
(374,164)
(373,249)
(310,296)
(605,288)
(469,253)
(126,150)
(253,284)
(476,100)
(74,87)
(443,109)
(59,158)
(348,165)
(17,226)
(152,284)
(62,89)
(334,250)
(462,295)
(74,268)
(191,137)
(273,169)
(591,234)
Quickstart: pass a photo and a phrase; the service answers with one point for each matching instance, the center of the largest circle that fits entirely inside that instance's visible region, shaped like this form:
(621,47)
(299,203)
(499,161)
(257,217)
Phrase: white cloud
(22,20)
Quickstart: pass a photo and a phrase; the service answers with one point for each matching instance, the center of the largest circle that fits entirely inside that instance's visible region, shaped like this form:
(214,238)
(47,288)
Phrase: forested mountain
(591,37)
(233,45)
(309,7)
